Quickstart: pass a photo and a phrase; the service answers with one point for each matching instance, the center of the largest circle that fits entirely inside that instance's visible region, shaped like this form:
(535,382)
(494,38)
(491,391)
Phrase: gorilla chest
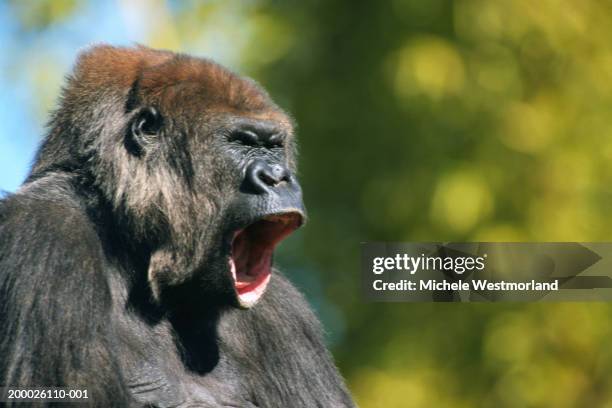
(167,384)
(195,369)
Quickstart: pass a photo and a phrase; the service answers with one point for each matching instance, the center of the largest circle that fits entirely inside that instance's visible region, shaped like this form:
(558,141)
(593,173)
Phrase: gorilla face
(266,202)
(224,188)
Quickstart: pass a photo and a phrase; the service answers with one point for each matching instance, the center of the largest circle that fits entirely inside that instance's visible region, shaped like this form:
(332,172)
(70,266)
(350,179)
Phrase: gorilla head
(196,166)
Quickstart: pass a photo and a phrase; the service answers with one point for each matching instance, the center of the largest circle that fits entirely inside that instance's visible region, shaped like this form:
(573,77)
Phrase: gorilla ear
(144,129)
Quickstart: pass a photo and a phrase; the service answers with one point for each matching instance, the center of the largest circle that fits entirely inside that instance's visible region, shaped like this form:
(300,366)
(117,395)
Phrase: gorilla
(136,259)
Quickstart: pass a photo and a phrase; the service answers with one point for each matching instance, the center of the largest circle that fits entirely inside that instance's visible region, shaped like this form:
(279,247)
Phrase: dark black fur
(112,270)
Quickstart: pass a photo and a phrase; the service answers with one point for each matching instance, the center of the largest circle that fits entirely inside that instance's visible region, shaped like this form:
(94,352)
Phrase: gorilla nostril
(276,175)
(267,178)
(262,176)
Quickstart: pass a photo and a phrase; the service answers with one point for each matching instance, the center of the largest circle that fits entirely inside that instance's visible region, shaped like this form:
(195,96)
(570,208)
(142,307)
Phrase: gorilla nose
(263,177)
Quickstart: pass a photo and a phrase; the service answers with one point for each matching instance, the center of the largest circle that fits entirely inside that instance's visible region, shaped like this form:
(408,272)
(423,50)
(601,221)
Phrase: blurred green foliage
(38,15)
(438,120)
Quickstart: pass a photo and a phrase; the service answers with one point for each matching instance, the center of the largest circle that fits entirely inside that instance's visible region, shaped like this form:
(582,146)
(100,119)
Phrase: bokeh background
(419,120)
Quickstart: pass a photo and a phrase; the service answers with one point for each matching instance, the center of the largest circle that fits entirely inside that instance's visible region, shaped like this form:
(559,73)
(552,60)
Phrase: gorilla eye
(245,137)
(252,138)
(276,140)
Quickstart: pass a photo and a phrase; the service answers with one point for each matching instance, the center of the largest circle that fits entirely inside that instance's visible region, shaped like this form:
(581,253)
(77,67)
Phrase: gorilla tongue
(251,258)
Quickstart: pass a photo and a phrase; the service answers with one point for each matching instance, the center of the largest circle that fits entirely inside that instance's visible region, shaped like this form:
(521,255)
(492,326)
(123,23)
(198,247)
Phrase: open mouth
(250,260)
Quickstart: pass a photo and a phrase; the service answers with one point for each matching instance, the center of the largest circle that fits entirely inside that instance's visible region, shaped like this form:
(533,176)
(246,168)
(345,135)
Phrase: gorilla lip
(250,260)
